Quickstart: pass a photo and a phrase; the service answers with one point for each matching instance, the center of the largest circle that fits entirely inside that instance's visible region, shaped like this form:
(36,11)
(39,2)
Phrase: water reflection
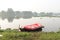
(16,18)
(51,24)
(10,15)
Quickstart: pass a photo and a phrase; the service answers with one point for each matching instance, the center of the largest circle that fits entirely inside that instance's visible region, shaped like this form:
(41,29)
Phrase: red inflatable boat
(32,27)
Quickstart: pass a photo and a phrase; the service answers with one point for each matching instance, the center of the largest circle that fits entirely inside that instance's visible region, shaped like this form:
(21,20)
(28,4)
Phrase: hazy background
(23,12)
(31,5)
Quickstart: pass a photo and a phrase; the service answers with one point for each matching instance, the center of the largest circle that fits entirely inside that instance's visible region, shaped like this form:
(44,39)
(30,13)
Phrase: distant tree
(18,14)
(10,14)
(49,14)
(35,14)
(27,14)
(42,14)
(3,14)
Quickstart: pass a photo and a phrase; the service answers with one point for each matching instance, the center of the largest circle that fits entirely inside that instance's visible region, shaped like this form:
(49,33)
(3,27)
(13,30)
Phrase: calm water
(51,24)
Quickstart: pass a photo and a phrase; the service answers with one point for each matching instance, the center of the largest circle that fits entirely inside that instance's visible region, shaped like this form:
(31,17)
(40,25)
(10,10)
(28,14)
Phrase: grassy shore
(16,35)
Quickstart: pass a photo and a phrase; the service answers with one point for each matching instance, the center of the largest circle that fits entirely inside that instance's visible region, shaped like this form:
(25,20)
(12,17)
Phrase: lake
(49,23)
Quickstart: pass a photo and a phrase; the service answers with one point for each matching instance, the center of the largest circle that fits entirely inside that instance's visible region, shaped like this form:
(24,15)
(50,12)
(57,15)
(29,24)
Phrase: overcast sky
(31,5)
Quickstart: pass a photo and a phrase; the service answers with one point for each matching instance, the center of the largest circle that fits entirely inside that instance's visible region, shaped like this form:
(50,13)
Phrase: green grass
(16,35)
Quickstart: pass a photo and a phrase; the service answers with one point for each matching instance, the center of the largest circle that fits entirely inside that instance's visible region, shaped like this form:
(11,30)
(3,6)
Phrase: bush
(8,29)
(1,30)
(16,35)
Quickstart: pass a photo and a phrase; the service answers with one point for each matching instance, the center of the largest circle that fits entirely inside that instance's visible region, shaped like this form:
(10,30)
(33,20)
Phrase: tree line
(10,14)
